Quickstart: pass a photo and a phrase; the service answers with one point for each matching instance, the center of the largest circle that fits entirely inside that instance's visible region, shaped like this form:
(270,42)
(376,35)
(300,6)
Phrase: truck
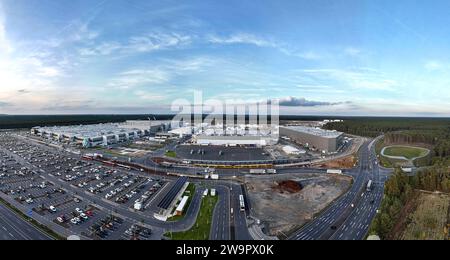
(257,171)
(271,171)
(334,171)
(138,205)
(214,176)
(369,185)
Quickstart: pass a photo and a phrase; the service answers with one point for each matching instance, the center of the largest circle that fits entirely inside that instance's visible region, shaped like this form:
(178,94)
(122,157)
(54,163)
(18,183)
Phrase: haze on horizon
(345,57)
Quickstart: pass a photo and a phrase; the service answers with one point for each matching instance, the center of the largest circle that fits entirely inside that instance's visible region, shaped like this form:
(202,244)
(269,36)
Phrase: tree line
(432,131)
(400,189)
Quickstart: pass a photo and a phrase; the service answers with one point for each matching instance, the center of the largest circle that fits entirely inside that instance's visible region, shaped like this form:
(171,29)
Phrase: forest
(400,189)
(28,121)
(434,132)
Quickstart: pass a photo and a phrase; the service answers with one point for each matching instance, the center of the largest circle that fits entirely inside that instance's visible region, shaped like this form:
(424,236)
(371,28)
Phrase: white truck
(138,205)
(214,176)
(271,171)
(334,171)
(257,171)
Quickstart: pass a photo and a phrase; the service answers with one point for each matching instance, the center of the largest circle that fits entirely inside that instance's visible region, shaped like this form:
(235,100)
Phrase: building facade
(315,138)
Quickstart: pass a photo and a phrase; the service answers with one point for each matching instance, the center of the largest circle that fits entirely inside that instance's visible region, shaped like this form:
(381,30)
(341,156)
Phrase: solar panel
(170,196)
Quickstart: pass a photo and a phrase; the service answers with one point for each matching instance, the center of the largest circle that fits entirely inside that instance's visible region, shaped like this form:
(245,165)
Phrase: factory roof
(86,131)
(315,131)
(231,137)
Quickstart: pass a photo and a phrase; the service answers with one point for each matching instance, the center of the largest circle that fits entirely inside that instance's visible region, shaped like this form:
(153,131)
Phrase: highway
(220,226)
(13,227)
(357,224)
(350,215)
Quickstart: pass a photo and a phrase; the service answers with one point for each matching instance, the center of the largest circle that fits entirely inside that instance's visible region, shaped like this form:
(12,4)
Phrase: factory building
(150,126)
(90,135)
(323,140)
(235,140)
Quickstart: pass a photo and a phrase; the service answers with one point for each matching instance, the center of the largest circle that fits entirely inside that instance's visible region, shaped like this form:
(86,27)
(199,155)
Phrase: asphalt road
(222,214)
(350,215)
(12,227)
(220,227)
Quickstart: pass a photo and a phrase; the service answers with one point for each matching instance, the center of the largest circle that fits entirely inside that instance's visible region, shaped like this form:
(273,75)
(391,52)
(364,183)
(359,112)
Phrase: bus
(369,185)
(241,202)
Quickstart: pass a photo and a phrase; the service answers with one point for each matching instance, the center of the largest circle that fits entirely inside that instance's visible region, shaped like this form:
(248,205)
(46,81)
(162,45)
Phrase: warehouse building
(235,140)
(89,135)
(323,140)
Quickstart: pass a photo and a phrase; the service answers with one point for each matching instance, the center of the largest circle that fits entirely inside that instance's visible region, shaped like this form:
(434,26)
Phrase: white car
(29,201)
(52,209)
(83,216)
(74,221)
(79,210)
(60,220)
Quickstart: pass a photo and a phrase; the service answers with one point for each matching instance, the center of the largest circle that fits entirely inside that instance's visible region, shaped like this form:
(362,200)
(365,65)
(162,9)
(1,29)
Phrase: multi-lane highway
(12,227)
(350,215)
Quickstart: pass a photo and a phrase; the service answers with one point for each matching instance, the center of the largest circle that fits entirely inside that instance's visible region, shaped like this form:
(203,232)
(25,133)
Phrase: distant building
(151,126)
(235,140)
(316,138)
(90,135)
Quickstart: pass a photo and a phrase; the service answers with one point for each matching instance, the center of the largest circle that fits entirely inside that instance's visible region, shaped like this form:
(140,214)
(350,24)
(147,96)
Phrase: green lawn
(190,191)
(171,154)
(202,227)
(406,151)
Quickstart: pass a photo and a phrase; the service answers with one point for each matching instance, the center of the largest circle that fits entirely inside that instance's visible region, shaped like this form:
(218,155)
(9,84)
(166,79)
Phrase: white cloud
(139,44)
(433,65)
(139,77)
(358,79)
(150,96)
(5,46)
(351,51)
(242,38)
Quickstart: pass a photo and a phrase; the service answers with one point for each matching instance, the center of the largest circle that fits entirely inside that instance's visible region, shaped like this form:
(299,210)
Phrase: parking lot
(30,187)
(221,153)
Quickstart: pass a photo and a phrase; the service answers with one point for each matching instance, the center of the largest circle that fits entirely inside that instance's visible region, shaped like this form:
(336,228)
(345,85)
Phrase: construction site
(284,202)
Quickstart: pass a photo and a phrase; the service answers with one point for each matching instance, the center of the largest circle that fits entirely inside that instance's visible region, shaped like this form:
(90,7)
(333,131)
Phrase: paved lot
(87,198)
(195,152)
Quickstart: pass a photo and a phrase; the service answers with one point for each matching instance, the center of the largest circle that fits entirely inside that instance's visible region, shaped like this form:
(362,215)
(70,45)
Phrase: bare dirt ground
(342,163)
(283,205)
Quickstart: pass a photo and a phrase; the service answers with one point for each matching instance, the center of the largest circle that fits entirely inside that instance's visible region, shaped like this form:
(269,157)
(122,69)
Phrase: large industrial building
(89,135)
(103,134)
(315,138)
(235,140)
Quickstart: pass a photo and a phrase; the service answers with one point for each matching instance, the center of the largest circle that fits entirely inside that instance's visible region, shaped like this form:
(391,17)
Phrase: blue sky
(323,57)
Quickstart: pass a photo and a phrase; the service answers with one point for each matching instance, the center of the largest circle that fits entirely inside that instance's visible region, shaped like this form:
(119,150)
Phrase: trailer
(241,202)
(369,185)
(334,171)
(257,171)
(271,171)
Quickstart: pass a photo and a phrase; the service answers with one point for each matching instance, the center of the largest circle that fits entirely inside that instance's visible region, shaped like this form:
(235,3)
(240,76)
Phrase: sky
(321,57)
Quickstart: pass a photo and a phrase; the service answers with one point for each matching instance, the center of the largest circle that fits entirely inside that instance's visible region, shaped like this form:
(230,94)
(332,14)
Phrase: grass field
(171,154)
(202,227)
(406,151)
(429,220)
